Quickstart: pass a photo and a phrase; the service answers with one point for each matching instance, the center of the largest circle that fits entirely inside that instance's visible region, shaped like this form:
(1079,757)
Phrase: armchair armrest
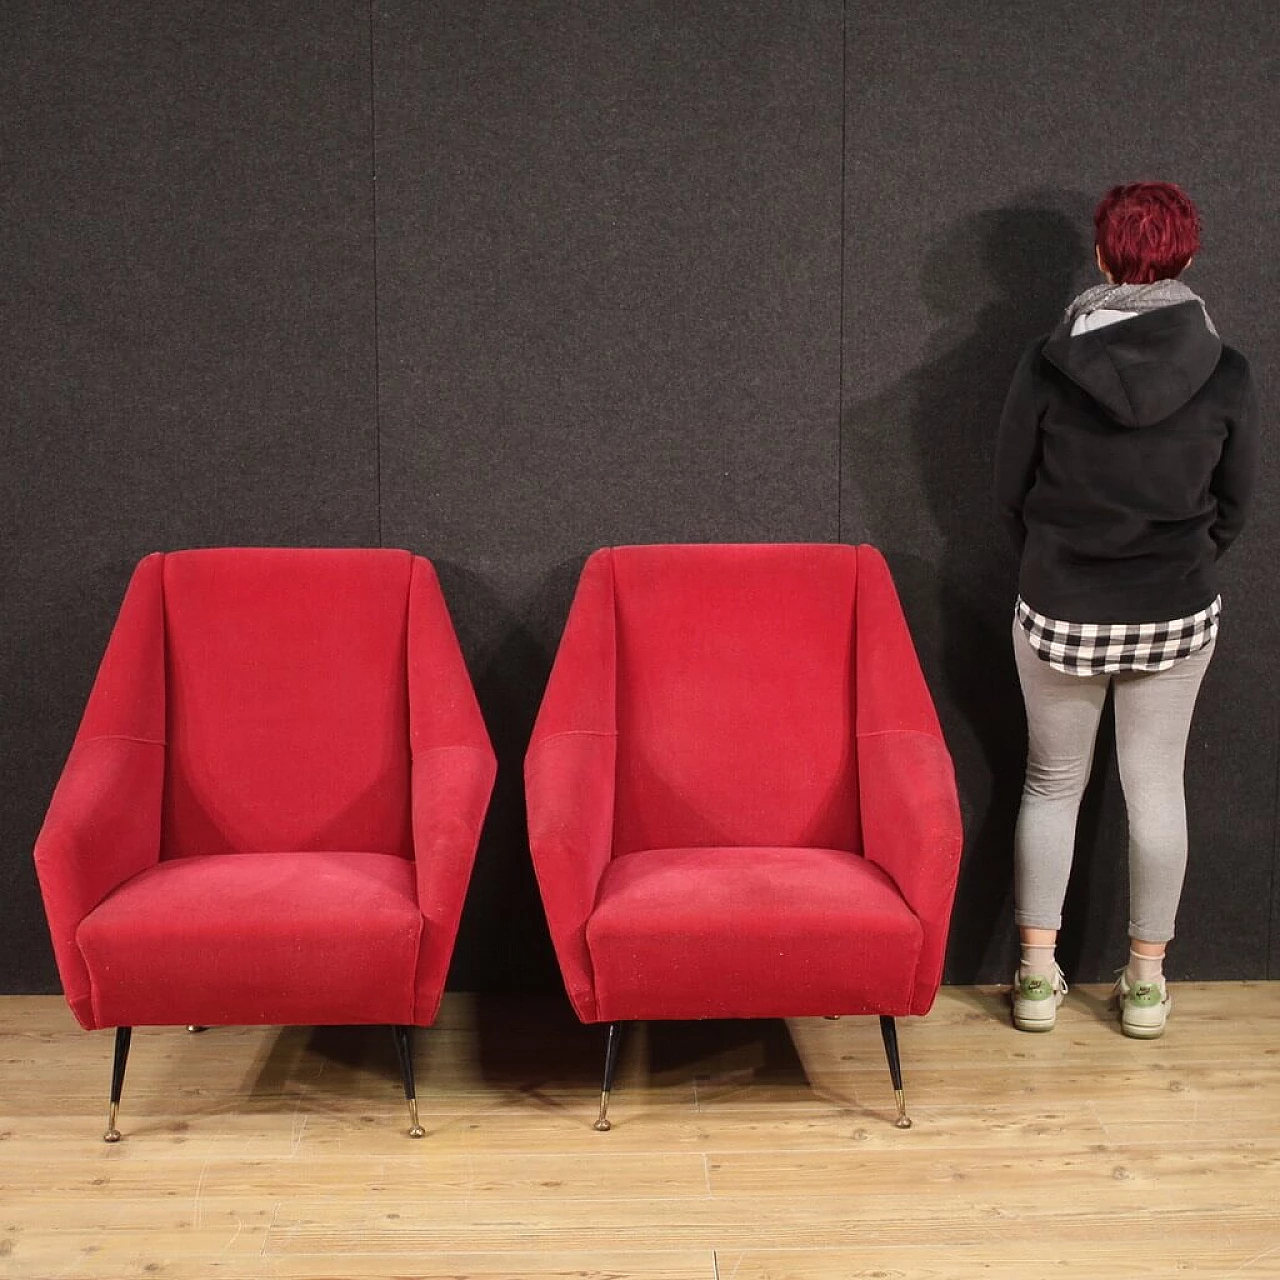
(102,828)
(911,824)
(452,778)
(569,786)
(911,829)
(103,823)
(569,774)
(451,790)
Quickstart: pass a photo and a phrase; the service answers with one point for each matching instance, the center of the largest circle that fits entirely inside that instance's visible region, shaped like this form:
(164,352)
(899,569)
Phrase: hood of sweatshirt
(1143,369)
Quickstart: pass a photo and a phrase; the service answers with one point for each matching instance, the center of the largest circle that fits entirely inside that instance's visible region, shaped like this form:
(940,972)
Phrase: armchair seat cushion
(750,933)
(257,938)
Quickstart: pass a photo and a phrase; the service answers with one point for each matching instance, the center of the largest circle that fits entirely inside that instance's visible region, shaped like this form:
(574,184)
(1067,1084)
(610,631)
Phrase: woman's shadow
(992,283)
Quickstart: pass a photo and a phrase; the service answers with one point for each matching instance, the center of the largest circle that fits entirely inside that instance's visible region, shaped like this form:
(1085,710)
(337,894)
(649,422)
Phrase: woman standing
(1126,455)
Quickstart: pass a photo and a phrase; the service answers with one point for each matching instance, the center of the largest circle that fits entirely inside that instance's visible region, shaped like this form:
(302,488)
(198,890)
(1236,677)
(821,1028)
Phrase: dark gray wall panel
(609,278)
(978,139)
(609,305)
(187,319)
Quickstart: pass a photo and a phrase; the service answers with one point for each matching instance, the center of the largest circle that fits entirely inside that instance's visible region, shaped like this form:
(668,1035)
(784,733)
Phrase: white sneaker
(1144,1006)
(1036,999)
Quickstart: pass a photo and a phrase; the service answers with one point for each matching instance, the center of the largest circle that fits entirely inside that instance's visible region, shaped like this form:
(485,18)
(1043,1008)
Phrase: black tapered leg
(889,1031)
(404,1049)
(610,1063)
(123,1037)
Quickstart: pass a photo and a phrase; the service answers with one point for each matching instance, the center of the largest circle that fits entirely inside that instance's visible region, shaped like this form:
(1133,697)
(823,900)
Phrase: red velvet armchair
(740,803)
(271,809)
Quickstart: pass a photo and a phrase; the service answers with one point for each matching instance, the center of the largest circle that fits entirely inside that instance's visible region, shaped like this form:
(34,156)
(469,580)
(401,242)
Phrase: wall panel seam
(1270,968)
(840,368)
(373,201)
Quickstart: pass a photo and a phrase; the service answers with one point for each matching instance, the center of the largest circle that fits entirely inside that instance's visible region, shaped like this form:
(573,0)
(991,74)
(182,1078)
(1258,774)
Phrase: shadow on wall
(503,942)
(992,283)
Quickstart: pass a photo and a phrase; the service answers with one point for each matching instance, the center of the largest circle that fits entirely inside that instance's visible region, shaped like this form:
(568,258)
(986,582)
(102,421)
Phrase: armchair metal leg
(404,1050)
(123,1036)
(610,1062)
(889,1031)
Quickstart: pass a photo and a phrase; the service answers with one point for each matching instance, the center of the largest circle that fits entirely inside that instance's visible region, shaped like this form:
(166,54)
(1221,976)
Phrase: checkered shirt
(1101,648)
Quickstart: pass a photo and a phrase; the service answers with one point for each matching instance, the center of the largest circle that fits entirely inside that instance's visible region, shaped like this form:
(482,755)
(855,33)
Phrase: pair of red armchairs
(740,804)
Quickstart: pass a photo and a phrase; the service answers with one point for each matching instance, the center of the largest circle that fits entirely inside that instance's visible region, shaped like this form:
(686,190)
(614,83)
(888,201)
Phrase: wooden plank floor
(740,1151)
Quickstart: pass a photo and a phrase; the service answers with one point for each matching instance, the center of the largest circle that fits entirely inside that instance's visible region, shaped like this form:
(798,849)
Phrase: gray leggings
(1153,715)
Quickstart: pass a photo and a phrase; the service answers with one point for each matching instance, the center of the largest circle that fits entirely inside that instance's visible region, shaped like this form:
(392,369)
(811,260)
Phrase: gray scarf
(1135,297)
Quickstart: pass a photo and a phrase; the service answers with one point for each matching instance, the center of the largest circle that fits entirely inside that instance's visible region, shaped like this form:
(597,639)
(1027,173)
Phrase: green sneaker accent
(1145,995)
(1036,999)
(1144,1007)
(1035,987)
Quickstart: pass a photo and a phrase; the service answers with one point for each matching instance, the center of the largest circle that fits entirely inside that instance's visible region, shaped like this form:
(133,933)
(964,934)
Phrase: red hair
(1146,231)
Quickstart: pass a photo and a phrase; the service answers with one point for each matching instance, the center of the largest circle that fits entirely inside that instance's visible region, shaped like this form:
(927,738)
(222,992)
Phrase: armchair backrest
(734,702)
(286,710)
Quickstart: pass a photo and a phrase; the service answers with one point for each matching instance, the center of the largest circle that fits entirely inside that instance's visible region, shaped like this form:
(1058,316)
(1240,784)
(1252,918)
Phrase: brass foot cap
(602,1126)
(111,1135)
(417,1132)
(903,1122)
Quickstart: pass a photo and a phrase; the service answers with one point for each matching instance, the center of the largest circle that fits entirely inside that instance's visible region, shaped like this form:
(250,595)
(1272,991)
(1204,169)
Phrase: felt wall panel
(608,265)
(187,316)
(978,139)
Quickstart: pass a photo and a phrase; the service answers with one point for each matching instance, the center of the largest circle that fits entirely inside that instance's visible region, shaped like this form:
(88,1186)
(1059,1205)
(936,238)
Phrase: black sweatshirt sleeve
(1018,447)
(1232,482)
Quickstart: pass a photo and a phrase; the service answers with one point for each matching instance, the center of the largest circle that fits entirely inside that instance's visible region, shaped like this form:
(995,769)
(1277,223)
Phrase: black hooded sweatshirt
(1124,466)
